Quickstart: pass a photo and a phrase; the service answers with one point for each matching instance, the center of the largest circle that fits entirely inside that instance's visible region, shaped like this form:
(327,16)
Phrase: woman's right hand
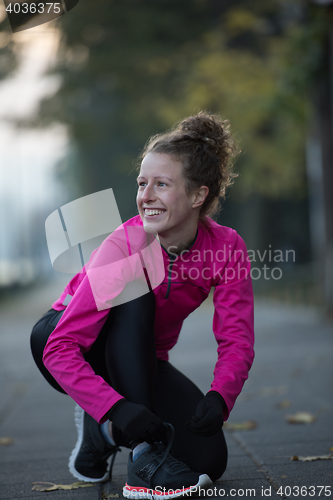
(137,422)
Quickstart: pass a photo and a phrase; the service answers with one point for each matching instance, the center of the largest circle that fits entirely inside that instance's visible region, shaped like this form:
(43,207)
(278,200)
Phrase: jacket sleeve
(80,326)
(233,325)
(71,287)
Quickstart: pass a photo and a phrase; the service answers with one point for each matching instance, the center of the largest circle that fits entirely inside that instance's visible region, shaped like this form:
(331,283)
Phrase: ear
(199,196)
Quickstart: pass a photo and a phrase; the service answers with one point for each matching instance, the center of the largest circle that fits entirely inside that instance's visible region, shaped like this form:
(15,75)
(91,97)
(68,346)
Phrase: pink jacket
(218,258)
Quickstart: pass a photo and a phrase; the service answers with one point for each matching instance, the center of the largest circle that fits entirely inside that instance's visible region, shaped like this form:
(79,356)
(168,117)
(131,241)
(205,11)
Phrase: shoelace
(102,455)
(106,455)
(172,462)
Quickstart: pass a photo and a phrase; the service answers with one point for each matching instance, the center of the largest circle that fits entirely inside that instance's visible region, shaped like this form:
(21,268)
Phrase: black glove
(137,422)
(208,417)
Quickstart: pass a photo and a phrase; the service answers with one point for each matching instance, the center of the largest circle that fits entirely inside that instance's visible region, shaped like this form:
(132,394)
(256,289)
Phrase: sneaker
(156,473)
(89,459)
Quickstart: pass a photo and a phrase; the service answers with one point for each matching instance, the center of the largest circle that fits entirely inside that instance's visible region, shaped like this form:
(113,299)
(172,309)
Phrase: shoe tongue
(139,449)
(173,463)
(158,447)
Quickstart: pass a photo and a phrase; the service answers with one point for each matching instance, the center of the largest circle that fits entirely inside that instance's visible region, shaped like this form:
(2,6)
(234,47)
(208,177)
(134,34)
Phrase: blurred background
(81,95)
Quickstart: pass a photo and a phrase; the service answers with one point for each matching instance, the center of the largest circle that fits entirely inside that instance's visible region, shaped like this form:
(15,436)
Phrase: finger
(156,433)
(194,430)
(146,436)
(200,412)
(192,427)
(189,424)
(206,431)
(203,422)
(162,429)
(195,418)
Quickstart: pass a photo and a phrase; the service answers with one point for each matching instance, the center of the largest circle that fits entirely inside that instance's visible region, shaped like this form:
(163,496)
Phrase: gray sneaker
(92,458)
(156,473)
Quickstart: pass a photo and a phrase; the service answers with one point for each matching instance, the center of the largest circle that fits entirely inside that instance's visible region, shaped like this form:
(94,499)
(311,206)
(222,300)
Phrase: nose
(148,194)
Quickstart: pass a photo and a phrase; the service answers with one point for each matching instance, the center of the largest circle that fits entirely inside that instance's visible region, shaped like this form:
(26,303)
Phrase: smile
(149,212)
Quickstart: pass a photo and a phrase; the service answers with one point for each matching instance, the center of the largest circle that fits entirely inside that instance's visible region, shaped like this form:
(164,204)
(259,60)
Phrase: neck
(178,243)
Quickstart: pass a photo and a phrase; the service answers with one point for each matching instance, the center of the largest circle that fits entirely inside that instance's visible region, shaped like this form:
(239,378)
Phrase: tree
(133,69)
(8,59)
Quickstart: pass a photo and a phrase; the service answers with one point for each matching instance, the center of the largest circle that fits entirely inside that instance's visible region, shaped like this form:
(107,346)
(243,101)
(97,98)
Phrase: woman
(113,361)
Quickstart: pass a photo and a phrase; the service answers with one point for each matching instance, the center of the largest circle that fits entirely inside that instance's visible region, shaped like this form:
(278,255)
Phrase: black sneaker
(156,474)
(89,459)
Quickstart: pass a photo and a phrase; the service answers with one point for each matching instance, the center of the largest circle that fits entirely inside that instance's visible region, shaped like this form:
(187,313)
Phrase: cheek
(183,203)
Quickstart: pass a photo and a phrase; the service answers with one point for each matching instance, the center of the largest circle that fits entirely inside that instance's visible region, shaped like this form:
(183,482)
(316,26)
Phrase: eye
(141,184)
(160,183)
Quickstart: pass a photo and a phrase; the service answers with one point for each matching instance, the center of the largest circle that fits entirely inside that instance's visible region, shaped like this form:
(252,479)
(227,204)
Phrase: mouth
(153,213)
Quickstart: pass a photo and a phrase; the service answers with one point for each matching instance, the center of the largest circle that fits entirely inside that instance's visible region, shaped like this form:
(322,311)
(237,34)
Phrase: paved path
(293,366)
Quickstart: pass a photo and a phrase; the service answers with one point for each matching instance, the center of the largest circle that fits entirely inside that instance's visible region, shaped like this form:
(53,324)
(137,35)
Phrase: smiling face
(163,204)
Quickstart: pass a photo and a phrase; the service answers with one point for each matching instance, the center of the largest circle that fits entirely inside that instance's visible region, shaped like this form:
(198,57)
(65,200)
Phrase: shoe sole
(142,492)
(79,422)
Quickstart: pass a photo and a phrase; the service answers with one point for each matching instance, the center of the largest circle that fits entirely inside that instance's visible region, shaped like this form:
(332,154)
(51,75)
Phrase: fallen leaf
(73,486)
(301,417)
(6,441)
(283,404)
(43,486)
(241,426)
(109,495)
(296,458)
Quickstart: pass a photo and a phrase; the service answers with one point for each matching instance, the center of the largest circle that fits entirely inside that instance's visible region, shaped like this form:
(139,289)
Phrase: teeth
(153,212)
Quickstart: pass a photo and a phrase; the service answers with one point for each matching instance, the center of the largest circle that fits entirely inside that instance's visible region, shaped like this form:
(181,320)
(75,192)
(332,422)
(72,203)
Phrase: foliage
(133,68)
(8,59)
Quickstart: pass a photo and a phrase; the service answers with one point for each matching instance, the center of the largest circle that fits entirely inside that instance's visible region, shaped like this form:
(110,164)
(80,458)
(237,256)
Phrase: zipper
(172,259)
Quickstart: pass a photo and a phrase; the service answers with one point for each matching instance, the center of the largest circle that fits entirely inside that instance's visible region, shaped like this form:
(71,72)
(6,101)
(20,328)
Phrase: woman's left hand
(208,418)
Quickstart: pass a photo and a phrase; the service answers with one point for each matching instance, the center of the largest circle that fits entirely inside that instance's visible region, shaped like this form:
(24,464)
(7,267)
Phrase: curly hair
(205,146)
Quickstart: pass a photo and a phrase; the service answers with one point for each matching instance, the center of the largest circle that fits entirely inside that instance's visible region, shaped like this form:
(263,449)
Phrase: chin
(149,227)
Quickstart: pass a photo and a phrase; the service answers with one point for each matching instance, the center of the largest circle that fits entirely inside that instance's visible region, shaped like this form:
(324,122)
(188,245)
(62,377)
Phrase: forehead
(159,164)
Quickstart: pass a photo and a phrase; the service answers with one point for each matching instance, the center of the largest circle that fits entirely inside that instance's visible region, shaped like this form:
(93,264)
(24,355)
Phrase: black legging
(124,355)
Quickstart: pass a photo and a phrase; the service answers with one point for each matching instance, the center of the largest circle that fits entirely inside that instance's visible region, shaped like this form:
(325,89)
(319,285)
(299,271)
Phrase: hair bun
(208,129)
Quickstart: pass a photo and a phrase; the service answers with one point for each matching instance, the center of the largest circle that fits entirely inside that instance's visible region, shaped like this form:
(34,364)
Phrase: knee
(39,336)
(217,467)
(207,456)
(214,462)
(35,341)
